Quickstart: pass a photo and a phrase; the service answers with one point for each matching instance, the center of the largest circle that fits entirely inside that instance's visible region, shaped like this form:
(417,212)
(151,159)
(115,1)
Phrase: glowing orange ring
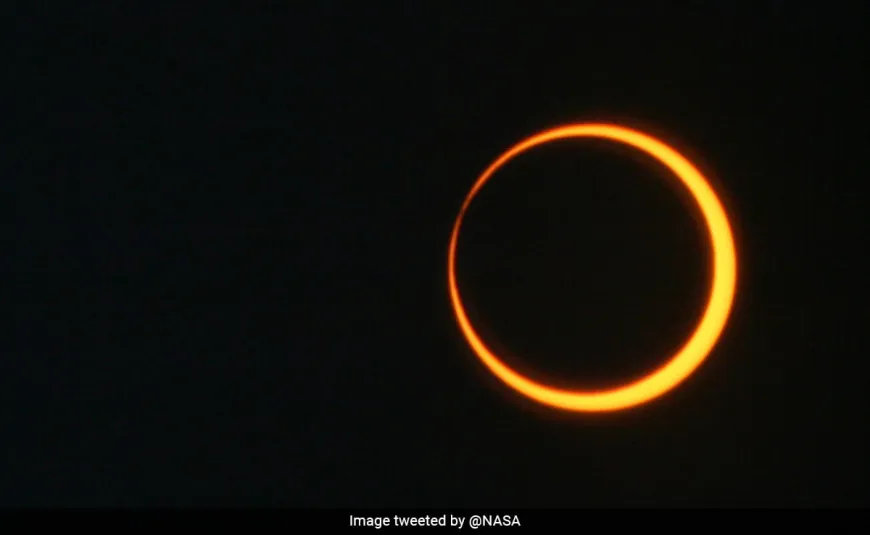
(695,350)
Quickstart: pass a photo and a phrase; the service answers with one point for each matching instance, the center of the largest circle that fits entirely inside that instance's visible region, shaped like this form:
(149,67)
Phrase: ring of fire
(710,326)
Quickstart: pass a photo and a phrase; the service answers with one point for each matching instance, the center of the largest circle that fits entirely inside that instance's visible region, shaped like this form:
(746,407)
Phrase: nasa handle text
(444,520)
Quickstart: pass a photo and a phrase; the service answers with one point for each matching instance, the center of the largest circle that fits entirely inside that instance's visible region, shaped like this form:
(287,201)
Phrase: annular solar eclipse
(677,367)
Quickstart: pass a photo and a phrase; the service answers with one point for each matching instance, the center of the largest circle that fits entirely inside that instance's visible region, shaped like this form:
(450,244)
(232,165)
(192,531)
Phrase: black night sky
(227,255)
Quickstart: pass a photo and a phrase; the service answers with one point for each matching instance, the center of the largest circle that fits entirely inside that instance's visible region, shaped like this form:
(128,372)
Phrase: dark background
(227,255)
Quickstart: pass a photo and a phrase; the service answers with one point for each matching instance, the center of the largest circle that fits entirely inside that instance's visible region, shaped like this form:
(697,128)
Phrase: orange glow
(710,326)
